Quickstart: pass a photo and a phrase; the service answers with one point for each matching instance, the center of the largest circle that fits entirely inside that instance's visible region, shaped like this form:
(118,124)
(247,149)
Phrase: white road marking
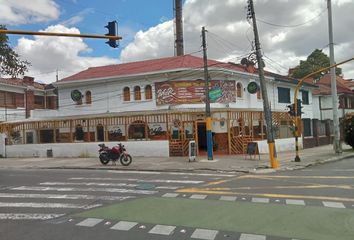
(334,204)
(139,180)
(90,222)
(204,234)
(245,236)
(114,190)
(28,216)
(173,173)
(162,230)
(170,195)
(47,205)
(124,226)
(228,198)
(198,196)
(63,196)
(295,202)
(260,200)
(102,185)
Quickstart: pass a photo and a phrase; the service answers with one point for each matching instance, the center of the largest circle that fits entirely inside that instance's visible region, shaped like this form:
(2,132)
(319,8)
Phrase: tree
(10,62)
(314,62)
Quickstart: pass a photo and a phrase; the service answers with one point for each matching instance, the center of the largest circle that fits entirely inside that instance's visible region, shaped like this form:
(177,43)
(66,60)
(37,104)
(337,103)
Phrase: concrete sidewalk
(224,163)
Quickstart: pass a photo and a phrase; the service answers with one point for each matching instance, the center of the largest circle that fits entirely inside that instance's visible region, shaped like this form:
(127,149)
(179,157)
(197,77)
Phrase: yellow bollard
(273,159)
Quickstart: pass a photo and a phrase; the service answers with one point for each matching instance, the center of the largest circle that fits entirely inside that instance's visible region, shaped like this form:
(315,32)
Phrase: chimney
(179,51)
(28,80)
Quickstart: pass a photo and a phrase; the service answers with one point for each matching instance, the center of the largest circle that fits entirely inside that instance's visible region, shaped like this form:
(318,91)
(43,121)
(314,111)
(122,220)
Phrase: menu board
(193,91)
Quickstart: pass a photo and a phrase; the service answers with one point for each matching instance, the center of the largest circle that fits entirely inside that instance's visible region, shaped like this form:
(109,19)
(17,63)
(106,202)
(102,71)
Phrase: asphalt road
(313,203)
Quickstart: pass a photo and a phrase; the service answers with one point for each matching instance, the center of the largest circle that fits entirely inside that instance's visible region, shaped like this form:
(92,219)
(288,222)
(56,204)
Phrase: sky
(289,31)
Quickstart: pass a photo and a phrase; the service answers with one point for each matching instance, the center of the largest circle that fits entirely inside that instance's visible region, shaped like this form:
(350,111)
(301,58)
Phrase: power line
(292,26)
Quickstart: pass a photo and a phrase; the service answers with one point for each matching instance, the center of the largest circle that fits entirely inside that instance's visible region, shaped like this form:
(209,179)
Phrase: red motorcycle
(107,154)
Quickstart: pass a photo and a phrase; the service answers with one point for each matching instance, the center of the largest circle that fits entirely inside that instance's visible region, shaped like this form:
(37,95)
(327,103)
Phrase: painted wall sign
(189,92)
(157,129)
(252,87)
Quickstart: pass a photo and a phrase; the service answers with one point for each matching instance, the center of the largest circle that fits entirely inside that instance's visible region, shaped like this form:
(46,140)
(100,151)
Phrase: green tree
(10,62)
(314,62)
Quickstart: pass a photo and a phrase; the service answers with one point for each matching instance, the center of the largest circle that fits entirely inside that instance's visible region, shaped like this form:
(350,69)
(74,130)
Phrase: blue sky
(289,31)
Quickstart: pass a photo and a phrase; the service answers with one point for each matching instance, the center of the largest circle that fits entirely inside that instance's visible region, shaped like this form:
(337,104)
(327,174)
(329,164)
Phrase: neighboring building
(157,106)
(19,96)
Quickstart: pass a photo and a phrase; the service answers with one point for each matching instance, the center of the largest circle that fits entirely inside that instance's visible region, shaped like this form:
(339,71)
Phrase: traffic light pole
(4,31)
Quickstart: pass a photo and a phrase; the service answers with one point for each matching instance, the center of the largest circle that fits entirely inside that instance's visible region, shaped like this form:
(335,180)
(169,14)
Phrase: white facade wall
(107,96)
(134,148)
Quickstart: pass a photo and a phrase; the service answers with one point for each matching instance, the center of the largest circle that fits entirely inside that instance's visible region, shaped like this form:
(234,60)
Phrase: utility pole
(336,141)
(207,99)
(179,28)
(266,108)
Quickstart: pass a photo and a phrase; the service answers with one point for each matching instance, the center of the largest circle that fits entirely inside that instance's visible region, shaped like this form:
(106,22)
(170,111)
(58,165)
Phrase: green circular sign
(76,95)
(252,87)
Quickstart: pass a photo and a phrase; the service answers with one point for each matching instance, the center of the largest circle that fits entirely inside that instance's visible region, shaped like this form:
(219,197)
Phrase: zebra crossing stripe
(198,196)
(63,196)
(295,202)
(260,200)
(162,230)
(102,184)
(139,180)
(333,204)
(28,216)
(124,226)
(89,222)
(170,195)
(205,234)
(64,189)
(47,205)
(245,236)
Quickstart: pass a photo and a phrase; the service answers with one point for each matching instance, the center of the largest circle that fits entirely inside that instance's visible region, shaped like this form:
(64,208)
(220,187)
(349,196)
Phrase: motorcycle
(107,154)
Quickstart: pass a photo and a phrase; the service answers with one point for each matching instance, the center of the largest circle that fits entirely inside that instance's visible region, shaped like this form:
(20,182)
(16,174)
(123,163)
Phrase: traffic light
(291,109)
(299,112)
(112,31)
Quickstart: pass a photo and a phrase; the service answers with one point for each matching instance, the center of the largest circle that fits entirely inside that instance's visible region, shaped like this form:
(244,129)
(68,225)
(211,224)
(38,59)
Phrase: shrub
(348,128)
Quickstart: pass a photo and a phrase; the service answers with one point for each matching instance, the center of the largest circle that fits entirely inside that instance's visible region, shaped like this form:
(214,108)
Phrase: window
(137,93)
(126,94)
(79,133)
(239,90)
(148,92)
(88,97)
(307,127)
(39,101)
(137,130)
(283,95)
(305,97)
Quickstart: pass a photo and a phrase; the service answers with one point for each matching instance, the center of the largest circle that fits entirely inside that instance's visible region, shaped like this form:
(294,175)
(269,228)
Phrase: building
(157,106)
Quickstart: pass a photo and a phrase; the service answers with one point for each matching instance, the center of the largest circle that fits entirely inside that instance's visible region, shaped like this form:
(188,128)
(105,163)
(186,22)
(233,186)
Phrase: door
(202,141)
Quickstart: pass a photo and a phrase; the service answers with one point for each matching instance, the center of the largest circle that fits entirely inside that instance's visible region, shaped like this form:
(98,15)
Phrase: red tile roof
(148,66)
(325,85)
(21,83)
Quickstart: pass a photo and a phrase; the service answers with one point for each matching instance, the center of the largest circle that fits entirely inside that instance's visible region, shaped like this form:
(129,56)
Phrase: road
(313,203)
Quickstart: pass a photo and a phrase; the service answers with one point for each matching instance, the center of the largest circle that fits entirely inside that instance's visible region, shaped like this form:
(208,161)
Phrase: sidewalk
(225,163)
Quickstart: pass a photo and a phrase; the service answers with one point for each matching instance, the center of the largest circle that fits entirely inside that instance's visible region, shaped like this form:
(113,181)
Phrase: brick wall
(29,102)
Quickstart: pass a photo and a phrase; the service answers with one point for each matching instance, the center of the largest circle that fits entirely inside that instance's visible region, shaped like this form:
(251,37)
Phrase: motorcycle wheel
(104,159)
(125,159)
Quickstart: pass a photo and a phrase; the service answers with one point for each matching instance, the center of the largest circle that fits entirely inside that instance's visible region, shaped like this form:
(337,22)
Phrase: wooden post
(23,134)
(71,131)
(55,132)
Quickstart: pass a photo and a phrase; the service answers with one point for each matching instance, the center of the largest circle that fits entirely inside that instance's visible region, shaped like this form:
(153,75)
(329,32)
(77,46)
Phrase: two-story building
(157,106)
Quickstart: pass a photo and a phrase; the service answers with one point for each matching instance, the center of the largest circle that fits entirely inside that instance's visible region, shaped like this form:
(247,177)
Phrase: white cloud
(20,12)
(230,35)
(46,54)
(79,17)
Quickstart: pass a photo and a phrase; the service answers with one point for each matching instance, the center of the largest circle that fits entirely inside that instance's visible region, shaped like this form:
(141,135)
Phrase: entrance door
(100,133)
(202,140)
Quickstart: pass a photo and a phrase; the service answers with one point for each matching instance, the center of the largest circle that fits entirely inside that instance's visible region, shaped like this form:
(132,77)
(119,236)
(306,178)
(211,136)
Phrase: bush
(348,127)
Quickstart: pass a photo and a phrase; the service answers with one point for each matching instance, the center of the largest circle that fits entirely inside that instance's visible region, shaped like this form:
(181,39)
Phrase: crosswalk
(52,199)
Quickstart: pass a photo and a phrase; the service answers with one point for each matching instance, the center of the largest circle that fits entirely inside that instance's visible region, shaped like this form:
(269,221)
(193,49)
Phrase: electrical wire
(292,26)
